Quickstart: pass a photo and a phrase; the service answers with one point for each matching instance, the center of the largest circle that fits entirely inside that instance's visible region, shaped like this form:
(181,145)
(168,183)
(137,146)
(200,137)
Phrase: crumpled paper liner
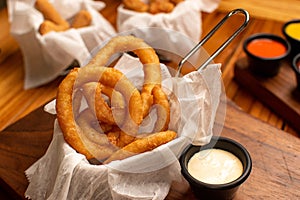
(62,173)
(48,56)
(185,18)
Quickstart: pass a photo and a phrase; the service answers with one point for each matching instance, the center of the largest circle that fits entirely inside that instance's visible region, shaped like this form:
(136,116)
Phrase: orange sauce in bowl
(266,48)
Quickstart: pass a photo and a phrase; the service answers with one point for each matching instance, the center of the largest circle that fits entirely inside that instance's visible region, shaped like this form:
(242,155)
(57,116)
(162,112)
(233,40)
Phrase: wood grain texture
(20,149)
(274,10)
(8,45)
(275,173)
(271,152)
(16,102)
(279,93)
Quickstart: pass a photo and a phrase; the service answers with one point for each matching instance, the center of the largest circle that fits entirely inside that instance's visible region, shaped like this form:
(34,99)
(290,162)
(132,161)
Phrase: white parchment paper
(185,18)
(47,56)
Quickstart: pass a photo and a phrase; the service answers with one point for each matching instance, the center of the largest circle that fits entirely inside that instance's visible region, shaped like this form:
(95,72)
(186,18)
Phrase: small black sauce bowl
(216,191)
(295,44)
(262,66)
(296,68)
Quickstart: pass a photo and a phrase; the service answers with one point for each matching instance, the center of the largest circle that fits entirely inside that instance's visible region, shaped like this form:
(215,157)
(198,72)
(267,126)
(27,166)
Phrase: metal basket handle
(208,36)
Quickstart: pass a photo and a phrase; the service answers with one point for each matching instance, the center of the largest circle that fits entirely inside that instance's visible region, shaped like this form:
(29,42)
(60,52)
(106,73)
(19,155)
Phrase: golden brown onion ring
(111,81)
(72,133)
(117,110)
(162,105)
(147,56)
(87,120)
(115,79)
(142,145)
(113,114)
(110,77)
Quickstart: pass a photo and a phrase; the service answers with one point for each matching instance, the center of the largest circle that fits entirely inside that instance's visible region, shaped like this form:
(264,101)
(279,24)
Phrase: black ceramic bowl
(291,37)
(265,66)
(296,68)
(216,191)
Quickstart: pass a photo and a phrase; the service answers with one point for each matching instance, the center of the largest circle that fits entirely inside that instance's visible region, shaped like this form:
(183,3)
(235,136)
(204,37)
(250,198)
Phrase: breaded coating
(142,145)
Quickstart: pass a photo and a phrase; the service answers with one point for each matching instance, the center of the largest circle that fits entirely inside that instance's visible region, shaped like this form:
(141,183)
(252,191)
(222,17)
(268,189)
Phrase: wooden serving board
(275,155)
(280,93)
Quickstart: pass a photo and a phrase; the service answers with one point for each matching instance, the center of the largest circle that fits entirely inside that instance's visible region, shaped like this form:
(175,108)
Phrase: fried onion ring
(115,121)
(112,78)
(147,56)
(117,105)
(115,79)
(72,133)
(85,120)
(142,145)
(163,109)
(113,114)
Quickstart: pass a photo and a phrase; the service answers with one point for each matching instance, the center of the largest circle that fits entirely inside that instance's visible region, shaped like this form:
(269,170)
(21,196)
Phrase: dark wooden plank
(278,93)
(7,193)
(21,144)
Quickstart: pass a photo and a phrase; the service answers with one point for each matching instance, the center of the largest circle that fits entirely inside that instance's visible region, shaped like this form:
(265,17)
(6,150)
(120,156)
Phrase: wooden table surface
(275,155)
(275,172)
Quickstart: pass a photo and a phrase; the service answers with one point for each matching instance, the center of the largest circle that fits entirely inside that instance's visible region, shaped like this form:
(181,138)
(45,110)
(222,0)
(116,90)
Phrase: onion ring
(163,109)
(147,56)
(117,111)
(97,129)
(113,114)
(142,145)
(85,121)
(77,97)
(72,133)
(109,76)
(115,79)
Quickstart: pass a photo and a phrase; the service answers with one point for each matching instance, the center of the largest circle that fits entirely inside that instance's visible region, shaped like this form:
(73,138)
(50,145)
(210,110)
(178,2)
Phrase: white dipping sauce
(215,166)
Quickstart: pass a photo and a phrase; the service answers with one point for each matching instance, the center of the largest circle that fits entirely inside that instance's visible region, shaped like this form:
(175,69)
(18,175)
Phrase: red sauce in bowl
(266,48)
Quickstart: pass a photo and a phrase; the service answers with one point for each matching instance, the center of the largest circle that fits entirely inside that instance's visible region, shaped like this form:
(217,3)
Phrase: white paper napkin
(46,57)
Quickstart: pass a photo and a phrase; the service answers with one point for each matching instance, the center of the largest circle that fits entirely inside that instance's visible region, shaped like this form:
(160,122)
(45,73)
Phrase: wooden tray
(279,92)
